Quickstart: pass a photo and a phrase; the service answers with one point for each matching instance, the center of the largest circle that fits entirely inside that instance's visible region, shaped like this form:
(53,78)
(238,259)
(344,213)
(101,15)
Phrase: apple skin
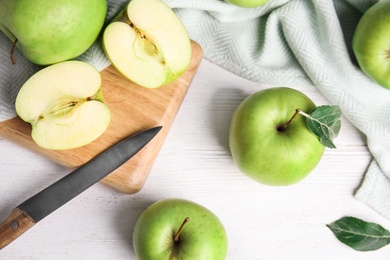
(247,3)
(49,32)
(371,43)
(265,153)
(203,237)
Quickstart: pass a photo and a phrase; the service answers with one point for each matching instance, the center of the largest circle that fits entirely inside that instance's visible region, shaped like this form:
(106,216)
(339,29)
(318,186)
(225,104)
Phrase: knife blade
(34,209)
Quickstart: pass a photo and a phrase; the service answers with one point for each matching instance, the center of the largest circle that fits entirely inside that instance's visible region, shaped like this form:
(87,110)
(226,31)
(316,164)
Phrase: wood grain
(133,109)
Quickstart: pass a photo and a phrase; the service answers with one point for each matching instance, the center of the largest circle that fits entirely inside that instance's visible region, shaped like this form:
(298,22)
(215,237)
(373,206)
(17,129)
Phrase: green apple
(247,3)
(268,149)
(64,105)
(49,32)
(148,44)
(173,229)
(371,43)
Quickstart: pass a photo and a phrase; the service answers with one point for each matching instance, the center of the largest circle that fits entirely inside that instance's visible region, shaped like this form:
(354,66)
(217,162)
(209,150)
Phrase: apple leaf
(325,122)
(360,235)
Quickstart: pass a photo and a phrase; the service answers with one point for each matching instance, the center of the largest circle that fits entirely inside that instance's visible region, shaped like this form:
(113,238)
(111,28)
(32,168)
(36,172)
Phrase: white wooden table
(262,222)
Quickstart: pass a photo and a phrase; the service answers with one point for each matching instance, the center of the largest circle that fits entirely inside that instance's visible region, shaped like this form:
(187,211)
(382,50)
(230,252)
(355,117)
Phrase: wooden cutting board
(133,109)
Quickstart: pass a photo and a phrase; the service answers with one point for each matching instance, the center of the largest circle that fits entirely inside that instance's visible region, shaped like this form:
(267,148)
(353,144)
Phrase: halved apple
(64,105)
(148,43)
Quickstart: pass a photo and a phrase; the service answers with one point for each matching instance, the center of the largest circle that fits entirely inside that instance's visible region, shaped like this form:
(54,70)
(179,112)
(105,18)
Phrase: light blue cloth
(292,43)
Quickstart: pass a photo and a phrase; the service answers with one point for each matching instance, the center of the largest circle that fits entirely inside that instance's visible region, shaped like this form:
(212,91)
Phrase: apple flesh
(148,44)
(64,105)
(247,3)
(371,43)
(262,148)
(49,32)
(202,237)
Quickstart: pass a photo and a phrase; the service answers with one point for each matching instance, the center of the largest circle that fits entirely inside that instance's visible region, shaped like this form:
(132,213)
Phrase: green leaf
(360,235)
(325,122)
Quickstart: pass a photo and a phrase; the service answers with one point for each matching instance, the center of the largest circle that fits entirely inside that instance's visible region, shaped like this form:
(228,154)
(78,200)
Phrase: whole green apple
(371,43)
(179,229)
(268,149)
(247,3)
(49,32)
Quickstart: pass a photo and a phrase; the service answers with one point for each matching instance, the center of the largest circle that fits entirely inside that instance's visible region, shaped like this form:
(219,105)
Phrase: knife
(34,209)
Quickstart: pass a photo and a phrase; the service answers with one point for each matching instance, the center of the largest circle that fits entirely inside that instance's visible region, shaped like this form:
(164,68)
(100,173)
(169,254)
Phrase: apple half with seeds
(64,105)
(148,44)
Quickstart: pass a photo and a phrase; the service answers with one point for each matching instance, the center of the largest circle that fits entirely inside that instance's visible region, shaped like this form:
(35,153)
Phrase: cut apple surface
(148,43)
(64,105)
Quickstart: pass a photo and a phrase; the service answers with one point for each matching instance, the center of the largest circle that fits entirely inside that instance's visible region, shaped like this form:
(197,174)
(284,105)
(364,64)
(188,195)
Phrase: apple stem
(303,113)
(13,51)
(283,127)
(181,229)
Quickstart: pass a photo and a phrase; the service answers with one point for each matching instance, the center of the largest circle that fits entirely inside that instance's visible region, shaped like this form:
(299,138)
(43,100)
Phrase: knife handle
(15,225)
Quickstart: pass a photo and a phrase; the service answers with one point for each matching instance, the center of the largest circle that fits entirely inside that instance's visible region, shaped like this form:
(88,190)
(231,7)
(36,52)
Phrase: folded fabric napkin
(292,43)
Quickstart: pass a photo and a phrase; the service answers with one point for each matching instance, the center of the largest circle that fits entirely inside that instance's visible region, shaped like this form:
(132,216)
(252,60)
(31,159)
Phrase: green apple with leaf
(49,32)
(371,43)
(173,229)
(247,3)
(148,44)
(64,105)
(278,135)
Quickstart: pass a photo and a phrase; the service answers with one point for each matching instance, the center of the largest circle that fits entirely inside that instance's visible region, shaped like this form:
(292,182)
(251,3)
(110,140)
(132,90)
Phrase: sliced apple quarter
(148,43)
(64,105)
